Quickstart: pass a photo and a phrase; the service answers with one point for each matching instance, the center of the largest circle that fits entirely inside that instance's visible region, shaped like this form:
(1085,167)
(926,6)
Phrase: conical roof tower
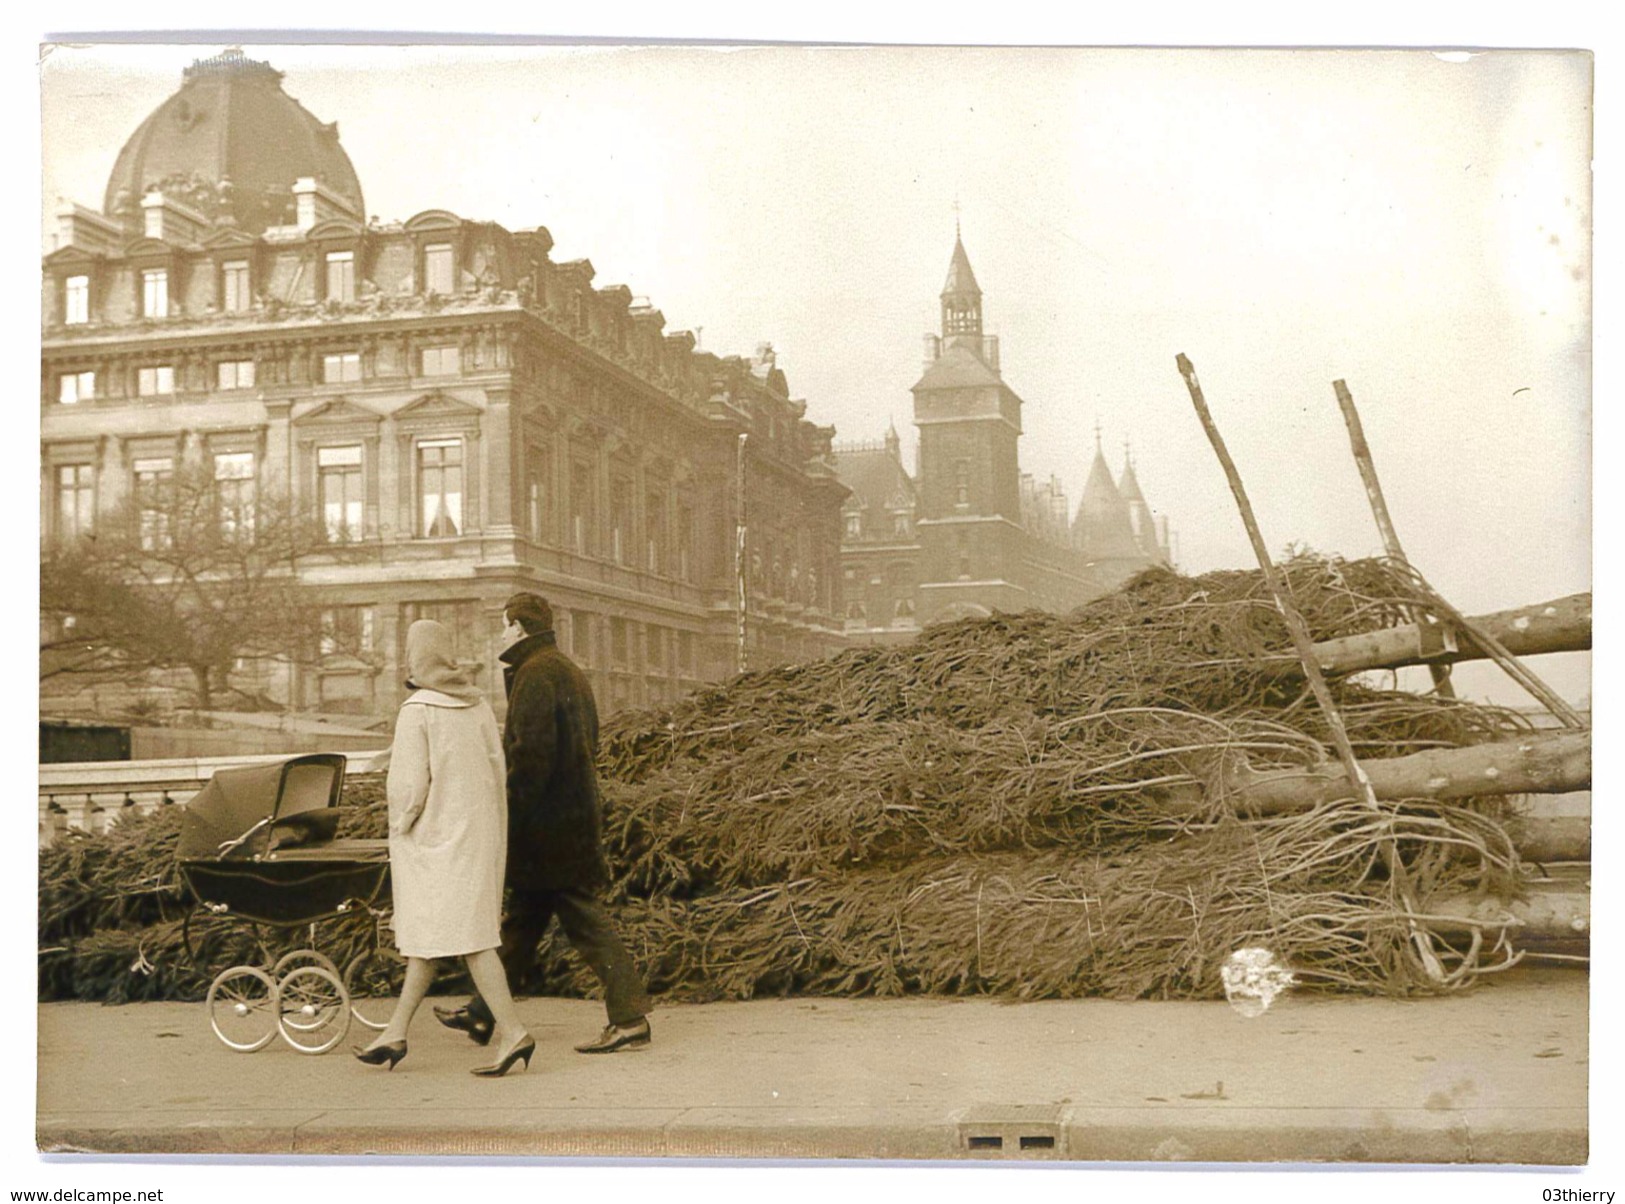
(1103,528)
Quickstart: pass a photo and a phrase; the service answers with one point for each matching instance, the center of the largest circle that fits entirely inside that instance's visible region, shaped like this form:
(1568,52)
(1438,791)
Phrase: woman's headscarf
(430,664)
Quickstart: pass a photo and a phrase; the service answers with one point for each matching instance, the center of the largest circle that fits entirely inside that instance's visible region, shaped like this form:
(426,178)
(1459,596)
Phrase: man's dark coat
(551,740)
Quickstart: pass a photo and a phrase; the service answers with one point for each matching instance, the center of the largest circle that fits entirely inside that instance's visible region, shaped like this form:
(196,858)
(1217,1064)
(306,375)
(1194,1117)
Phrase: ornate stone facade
(471,418)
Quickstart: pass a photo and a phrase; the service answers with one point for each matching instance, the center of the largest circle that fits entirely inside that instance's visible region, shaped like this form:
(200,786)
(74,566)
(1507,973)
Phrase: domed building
(461,416)
(230,146)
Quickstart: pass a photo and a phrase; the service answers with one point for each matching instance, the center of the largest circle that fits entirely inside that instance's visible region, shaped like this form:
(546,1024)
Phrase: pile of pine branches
(982,810)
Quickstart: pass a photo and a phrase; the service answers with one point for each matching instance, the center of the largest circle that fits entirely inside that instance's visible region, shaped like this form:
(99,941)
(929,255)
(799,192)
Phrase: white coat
(448,826)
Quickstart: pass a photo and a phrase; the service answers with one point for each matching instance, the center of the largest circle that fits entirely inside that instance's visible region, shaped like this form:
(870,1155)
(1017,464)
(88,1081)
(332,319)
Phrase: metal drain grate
(1012,1131)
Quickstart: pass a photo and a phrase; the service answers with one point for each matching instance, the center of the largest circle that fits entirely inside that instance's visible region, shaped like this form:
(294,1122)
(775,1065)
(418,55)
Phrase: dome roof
(231,122)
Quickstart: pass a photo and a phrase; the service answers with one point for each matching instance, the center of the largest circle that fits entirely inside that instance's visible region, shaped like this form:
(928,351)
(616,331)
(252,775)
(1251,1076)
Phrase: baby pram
(258,846)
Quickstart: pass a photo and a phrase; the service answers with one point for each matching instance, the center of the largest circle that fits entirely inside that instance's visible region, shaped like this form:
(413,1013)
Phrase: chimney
(167,220)
(314,203)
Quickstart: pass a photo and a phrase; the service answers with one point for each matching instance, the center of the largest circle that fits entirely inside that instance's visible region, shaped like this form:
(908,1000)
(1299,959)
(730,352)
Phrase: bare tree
(191,572)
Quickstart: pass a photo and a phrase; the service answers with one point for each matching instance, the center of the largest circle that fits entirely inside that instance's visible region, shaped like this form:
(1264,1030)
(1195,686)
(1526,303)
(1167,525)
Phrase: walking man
(555,861)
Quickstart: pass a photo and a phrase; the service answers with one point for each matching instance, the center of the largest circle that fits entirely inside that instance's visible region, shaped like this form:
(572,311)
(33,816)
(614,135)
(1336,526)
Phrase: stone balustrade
(88,795)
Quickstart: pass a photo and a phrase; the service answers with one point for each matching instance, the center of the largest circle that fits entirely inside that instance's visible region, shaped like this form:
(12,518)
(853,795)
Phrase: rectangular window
(440,488)
(236,374)
(155,293)
(152,481)
(77,387)
(962,482)
(347,631)
(620,521)
(438,269)
(685,542)
(620,643)
(234,491)
(341,276)
(341,369)
(581,507)
(76,300)
(156,381)
(581,636)
(234,295)
(75,500)
(442,361)
(338,471)
(533,507)
(654,520)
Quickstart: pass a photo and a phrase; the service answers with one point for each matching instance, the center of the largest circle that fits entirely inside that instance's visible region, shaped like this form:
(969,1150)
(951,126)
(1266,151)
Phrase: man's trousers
(587,925)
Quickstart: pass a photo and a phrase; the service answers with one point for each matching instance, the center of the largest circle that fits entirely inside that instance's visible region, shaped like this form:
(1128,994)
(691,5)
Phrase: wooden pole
(1379,511)
(1304,643)
(1560,625)
(1537,763)
(741,565)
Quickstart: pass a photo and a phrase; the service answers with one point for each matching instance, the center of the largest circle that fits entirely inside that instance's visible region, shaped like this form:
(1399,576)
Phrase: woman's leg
(491,981)
(419,974)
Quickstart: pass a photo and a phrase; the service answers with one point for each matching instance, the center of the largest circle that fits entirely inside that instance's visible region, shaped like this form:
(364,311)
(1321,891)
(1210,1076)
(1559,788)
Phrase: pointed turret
(1139,514)
(1103,528)
(961,296)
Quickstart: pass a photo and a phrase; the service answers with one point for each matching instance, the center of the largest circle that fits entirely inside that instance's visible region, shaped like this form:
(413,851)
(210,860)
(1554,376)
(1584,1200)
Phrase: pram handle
(227,846)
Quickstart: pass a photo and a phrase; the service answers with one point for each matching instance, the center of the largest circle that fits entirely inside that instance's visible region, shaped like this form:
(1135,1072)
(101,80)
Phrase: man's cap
(530,611)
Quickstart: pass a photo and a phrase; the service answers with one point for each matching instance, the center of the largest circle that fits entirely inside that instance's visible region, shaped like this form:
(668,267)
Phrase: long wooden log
(1553,917)
(1539,763)
(1561,625)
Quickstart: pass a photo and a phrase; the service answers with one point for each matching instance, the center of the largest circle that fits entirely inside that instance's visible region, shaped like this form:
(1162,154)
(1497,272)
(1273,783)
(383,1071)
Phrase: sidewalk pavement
(1497,1075)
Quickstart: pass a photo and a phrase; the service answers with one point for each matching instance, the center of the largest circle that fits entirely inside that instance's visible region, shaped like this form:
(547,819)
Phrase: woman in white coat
(448,830)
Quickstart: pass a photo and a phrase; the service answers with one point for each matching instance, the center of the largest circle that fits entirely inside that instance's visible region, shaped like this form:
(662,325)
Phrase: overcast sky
(1416,226)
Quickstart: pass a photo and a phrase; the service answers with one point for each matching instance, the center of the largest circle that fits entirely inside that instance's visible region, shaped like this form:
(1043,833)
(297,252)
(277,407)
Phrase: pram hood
(233,801)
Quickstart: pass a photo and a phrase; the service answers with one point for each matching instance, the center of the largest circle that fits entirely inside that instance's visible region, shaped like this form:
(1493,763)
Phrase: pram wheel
(242,1005)
(313,1009)
(303,957)
(373,980)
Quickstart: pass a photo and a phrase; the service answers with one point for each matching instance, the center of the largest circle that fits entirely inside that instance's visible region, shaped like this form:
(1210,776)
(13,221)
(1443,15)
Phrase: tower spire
(961,295)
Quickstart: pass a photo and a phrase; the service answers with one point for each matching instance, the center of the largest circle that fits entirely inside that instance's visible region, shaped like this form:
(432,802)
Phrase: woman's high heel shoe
(379,1054)
(520,1052)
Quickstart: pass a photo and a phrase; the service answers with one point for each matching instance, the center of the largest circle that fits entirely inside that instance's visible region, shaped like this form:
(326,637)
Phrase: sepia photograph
(768,602)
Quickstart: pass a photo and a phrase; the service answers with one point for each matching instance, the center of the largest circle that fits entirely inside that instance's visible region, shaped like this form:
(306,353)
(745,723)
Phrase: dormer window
(854,525)
(76,300)
(439,269)
(341,276)
(155,293)
(235,297)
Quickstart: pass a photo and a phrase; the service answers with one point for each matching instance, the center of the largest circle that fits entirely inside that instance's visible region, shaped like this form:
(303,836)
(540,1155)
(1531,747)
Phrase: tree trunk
(1539,763)
(1554,916)
(1562,625)
(205,694)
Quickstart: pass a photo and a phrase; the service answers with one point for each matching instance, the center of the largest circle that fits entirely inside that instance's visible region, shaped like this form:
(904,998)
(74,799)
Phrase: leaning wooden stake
(1379,511)
(1304,643)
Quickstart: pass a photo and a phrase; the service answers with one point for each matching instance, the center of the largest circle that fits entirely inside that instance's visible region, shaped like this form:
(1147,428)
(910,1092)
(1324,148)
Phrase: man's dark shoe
(478,1030)
(618,1036)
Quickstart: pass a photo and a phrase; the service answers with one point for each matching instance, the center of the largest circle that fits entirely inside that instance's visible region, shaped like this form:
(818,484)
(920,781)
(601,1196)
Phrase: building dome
(230,144)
